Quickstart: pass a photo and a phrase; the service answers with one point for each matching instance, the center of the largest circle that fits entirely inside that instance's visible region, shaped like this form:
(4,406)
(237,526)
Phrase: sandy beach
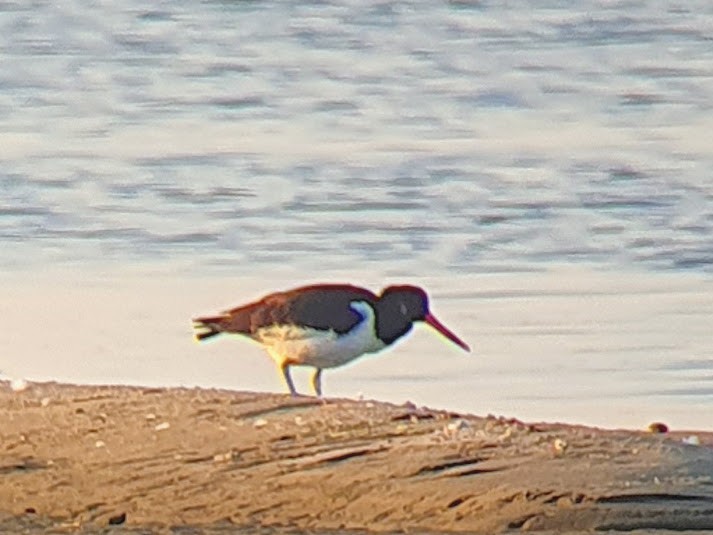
(90,458)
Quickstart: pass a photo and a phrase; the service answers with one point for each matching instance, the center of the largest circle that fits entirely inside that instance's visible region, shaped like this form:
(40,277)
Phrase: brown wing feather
(320,306)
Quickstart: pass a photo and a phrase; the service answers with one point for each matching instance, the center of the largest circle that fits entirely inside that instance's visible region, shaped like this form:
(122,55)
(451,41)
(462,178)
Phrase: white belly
(318,348)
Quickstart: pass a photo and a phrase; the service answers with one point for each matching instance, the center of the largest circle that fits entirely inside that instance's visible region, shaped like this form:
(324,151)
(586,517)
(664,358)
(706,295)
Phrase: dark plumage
(320,306)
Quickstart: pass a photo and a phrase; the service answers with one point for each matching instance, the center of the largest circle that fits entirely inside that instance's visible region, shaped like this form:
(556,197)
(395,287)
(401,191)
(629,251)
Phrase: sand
(86,458)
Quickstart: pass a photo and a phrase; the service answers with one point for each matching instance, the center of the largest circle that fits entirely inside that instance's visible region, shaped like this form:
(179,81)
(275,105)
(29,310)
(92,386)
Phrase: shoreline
(84,458)
(603,349)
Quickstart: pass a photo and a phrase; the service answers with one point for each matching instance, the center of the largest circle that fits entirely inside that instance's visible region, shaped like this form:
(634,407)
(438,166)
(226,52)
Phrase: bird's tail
(209,327)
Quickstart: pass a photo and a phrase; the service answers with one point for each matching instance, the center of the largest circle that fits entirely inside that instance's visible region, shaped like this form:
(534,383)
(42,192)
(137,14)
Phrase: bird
(325,325)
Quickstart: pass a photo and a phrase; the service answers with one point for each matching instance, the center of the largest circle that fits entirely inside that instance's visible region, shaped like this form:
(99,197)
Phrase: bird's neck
(390,324)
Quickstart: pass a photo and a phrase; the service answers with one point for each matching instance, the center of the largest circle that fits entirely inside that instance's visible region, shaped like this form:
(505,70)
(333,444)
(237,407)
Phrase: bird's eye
(403,309)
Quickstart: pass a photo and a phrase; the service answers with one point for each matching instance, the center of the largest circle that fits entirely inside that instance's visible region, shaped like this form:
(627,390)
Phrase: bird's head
(406,304)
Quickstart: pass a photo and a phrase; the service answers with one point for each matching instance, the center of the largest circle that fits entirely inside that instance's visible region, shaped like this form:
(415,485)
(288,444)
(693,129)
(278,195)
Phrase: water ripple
(465,136)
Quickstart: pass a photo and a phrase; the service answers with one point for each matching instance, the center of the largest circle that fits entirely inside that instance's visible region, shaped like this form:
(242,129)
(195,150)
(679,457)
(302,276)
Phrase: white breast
(322,349)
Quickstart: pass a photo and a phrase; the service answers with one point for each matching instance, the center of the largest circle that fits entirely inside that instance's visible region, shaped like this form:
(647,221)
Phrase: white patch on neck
(322,349)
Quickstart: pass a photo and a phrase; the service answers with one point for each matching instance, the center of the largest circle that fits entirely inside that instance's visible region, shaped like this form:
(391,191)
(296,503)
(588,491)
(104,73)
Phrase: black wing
(321,306)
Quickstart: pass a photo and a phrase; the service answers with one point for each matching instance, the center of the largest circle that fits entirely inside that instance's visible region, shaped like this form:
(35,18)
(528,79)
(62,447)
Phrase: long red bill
(445,331)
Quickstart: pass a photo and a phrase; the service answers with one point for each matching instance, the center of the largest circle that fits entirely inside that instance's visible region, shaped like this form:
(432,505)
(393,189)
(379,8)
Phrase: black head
(399,307)
(405,302)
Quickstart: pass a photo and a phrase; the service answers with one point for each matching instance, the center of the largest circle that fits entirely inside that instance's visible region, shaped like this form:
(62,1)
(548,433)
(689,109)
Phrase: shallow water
(423,141)
(609,349)
(463,136)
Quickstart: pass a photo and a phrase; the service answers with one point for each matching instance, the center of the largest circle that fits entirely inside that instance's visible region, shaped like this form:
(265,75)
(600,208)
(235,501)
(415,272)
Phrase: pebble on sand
(260,422)
(658,427)
(117,519)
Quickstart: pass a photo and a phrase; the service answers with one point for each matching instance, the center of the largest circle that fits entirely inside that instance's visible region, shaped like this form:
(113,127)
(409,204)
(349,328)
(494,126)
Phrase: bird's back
(319,306)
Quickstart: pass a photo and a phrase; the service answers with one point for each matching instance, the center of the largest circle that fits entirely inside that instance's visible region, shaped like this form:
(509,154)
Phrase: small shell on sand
(162,426)
(18,385)
(453,429)
(559,447)
(458,425)
(692,440)
(222,457)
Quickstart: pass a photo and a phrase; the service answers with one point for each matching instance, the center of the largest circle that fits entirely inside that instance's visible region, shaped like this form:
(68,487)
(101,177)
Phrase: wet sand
(100,458)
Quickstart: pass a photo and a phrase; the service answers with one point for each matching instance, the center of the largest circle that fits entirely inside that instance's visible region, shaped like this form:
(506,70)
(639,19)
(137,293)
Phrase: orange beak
(445,331)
